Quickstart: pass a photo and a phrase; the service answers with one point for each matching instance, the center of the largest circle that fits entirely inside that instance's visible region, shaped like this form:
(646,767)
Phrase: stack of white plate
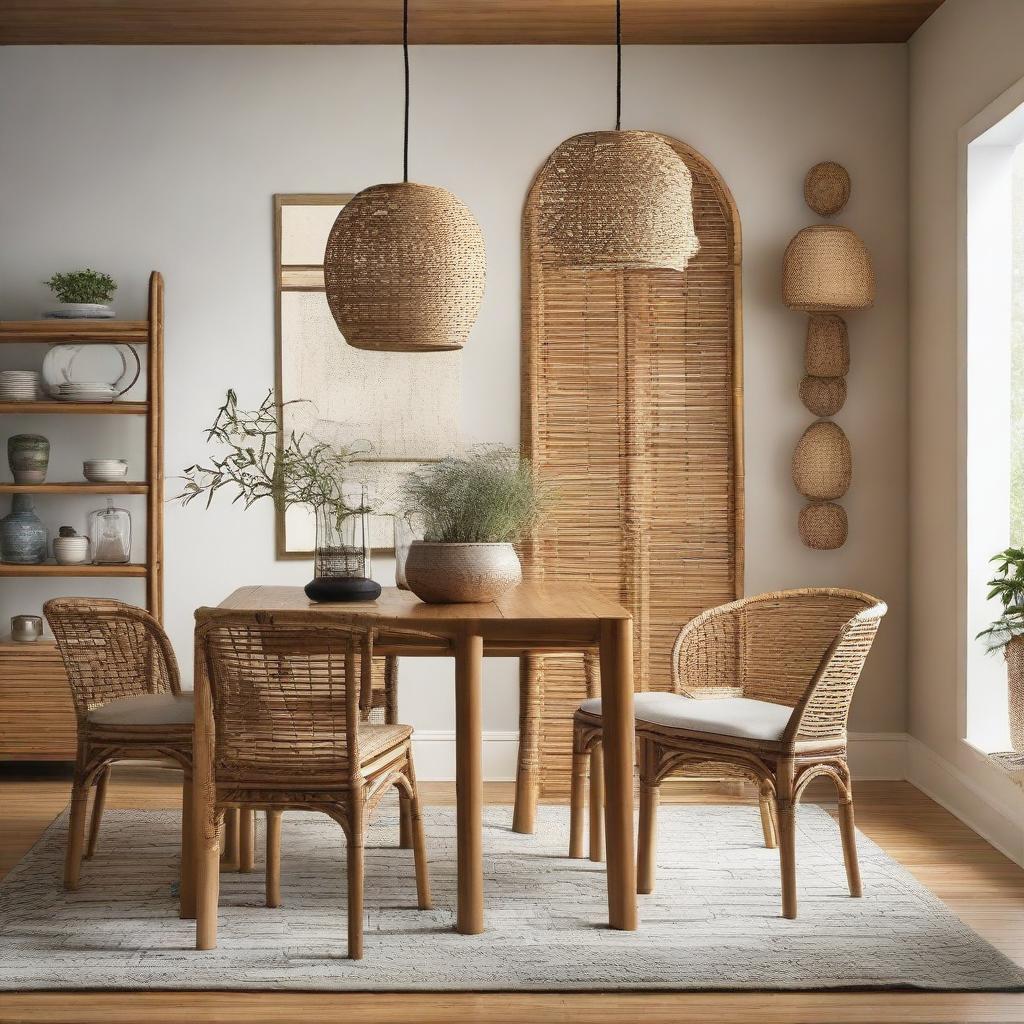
(86,392)
(105,471)
(19,385)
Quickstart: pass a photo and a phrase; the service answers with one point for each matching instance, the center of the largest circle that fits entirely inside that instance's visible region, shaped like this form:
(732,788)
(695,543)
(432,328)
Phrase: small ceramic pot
(22,534)
(80,311)
(26,629)
(71,550)
(461,573)
(28,455)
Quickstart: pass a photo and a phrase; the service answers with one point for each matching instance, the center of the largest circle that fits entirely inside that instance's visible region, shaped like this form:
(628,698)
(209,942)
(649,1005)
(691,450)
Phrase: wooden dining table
(535,618)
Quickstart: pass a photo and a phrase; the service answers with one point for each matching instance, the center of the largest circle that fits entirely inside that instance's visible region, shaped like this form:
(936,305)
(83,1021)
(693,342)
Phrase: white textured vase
(461,573)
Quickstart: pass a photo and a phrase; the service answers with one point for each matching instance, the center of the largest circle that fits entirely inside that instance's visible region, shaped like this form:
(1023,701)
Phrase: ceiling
(460,21)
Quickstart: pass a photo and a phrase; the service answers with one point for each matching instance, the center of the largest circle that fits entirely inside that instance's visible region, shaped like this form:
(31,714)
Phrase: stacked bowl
(105,471)
(19,385)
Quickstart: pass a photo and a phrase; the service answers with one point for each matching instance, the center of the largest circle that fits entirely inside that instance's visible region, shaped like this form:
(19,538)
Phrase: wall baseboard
(873,755)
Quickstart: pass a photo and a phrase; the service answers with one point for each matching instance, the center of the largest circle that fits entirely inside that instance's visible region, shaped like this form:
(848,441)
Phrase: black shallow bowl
(333,589)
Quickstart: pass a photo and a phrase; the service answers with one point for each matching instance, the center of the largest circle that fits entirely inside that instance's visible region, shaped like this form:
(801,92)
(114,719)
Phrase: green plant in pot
(82,294)
(1006,634)
(472,509)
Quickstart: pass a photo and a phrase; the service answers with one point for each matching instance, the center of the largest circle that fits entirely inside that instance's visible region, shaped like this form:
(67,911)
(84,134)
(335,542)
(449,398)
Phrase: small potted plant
(1006,634)
(472,509)
(82,294)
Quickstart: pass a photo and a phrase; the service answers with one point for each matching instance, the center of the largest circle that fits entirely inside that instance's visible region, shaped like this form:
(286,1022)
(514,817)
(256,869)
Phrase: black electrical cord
(405,58)
(618,65)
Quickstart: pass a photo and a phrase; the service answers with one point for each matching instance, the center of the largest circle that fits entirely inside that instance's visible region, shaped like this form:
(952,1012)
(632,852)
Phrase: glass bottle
(110,533)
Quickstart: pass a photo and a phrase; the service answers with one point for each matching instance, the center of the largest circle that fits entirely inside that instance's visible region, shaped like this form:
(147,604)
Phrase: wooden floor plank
(980,884)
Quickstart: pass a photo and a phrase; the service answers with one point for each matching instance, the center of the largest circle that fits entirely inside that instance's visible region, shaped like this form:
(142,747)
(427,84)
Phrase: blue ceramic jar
(22,534)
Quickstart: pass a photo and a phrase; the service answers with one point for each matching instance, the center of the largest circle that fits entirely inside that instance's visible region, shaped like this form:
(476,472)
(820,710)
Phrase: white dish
(90,367)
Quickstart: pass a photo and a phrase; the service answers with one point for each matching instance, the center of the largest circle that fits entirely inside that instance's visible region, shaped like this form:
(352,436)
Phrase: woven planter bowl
(827,351)
(404,269)
(822,462)
(617,201)
(1014,653)
(823,525)
(461,573)
(827,269)
(824,396)
(827,188)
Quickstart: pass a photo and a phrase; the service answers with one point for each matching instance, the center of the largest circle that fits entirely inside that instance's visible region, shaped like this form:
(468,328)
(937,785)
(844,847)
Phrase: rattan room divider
(632,402)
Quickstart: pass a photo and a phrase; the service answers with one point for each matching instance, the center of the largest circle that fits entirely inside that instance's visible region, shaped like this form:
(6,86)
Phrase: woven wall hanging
(405,264)
(617,200)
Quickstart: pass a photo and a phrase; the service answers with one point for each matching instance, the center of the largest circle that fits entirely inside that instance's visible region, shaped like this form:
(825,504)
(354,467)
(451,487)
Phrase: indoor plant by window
(472,508)
(82,294)
(1006,634)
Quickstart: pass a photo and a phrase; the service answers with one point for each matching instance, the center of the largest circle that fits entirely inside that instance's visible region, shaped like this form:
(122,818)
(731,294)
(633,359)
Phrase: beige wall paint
(132,158)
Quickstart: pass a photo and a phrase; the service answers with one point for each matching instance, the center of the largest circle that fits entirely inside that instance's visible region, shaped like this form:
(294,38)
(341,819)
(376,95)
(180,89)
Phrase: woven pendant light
(618,200)
(405,264)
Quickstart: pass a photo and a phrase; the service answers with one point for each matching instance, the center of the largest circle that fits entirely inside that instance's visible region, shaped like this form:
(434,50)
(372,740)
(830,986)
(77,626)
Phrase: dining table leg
(469,650)
(618,727)
(205,838)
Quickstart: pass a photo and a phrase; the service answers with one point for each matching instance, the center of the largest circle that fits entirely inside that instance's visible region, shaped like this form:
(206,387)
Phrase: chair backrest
(286,696)
(110,650)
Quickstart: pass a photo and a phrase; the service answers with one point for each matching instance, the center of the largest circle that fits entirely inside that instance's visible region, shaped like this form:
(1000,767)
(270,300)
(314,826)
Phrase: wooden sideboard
(37,720)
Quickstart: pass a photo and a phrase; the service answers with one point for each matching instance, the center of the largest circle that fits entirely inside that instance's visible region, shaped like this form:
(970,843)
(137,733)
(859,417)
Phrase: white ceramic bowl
(104,471)
(71,550)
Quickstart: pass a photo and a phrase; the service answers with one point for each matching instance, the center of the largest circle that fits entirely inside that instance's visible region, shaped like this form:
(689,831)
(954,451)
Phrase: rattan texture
(404,269)
(1014,654)
(827,268)
(827,348)
(823,525)
(616,201)
(823,396)
(823,462)
(632,404)
(827,188)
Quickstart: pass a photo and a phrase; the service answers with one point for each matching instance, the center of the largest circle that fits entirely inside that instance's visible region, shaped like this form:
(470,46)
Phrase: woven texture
(632,403)
(1015,690)
(823,525)
(712,923)
(824,396)
(823,462)
(404,269)
(827,348)
(827,268)
(827,188)
(616,201)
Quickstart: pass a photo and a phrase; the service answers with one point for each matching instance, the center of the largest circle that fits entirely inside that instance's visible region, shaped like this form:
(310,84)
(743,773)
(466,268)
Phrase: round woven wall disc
(404,269)
(827,269)
(616,201)
(822,462)
(824,396)
(827,188)
(827,350)
(823,525)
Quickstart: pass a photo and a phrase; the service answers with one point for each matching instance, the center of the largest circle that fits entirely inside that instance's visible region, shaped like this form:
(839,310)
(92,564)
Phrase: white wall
(128,159)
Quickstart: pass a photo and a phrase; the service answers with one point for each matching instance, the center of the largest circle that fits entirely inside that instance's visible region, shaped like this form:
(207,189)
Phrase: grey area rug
(713,922)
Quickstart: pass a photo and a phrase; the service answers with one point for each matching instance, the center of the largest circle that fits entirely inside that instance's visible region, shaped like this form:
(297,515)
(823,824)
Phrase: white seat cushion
(147,709)
(726,716)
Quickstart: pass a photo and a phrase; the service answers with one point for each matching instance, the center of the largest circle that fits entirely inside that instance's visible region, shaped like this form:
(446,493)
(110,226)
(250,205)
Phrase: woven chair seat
(728,716)
(146,709)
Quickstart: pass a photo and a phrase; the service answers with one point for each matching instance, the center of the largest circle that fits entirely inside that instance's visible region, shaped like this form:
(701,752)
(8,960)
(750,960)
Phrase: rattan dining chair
(289,695)
(762,686)
(128,703)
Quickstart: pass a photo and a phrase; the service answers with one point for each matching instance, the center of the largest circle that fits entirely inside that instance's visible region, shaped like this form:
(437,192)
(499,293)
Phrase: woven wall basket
(404,269)
(827,188)
(616,201)
(822,462)
(632,401)
(824,396)
(823,525)
(827,351)
(827,268)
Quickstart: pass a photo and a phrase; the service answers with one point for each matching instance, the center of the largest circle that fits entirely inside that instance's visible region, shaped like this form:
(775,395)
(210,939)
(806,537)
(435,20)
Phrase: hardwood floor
(982,886)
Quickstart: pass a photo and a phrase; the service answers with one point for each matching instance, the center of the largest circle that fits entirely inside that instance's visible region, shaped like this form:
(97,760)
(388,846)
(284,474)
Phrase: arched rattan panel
(632,400)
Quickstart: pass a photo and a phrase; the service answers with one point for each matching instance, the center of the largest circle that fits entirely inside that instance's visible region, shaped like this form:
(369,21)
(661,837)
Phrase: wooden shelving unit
(37,721)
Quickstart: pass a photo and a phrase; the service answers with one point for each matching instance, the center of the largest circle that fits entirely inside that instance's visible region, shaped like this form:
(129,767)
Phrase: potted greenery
(472,509)
(1006,634)
(82,294)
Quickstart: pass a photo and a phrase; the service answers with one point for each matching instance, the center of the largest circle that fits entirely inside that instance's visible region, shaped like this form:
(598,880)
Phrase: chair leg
(530,699)
(576,799)
(187,881)
(76,831)
(786,809)
(419,849)
(596,803)
(99,801)
(849,836)
(229,852)
(207,857)
(246,839)
(273,872)
(356,841)
(647,838)
(768,825)
(405,825)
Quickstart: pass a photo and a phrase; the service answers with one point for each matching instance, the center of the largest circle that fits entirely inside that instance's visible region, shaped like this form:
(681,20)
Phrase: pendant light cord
(405,58)
(618,64)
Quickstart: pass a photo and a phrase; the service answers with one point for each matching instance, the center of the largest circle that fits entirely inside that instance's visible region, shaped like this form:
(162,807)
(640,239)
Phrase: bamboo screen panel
(632,402)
